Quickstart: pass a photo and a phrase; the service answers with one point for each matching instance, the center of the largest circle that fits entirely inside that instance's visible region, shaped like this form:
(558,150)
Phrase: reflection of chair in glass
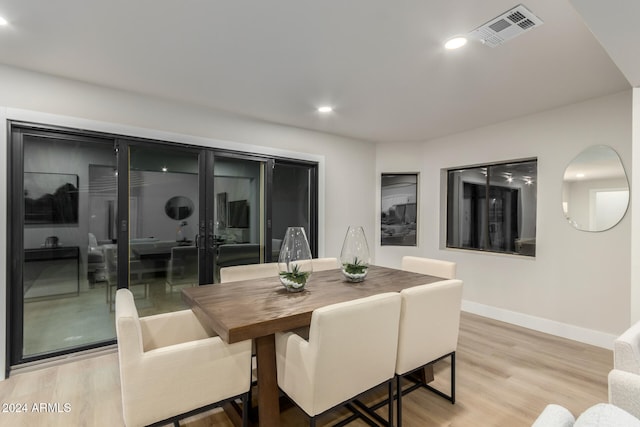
(171,366)
(111,264)
(96,269)
(182,267)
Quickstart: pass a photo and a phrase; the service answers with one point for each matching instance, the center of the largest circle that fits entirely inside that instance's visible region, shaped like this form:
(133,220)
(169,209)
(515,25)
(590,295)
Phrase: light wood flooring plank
(506,376)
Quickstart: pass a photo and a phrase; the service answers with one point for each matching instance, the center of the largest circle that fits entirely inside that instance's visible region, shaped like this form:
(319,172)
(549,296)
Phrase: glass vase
(294,262)
(354,257)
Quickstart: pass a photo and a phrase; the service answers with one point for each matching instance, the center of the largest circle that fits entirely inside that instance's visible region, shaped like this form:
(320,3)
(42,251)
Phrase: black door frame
(313,196)
(17,131)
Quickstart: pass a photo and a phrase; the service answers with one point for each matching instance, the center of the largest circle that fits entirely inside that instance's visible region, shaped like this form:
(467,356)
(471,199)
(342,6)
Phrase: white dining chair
(428,332)
(351,349)
(172,367)
(430,266)
(321,264)
(236,273)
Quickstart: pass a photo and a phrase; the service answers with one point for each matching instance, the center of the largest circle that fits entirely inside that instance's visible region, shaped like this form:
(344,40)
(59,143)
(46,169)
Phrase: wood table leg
(268,396)
(427,374)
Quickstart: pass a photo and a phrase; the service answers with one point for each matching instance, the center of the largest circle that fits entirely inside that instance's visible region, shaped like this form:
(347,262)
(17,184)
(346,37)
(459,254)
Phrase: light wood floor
(506,376)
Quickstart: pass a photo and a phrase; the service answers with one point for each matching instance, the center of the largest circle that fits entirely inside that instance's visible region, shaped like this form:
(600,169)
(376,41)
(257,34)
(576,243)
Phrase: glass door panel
(68,192)
(238,212)
(292,203)
(163,223)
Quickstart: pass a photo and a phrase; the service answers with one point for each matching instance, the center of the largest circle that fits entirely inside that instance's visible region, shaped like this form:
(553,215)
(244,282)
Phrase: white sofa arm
(626,350)
(624,391)
(554,416)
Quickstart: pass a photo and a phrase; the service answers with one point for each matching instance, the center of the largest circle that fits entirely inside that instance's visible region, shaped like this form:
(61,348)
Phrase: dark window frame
(485,215)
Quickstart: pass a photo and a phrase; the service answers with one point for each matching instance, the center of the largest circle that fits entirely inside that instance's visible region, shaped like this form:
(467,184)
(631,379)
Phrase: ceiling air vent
(506,26)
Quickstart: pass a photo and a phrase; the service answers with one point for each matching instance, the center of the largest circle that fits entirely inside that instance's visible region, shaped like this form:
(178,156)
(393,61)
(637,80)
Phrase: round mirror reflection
(595,189)
(179,207)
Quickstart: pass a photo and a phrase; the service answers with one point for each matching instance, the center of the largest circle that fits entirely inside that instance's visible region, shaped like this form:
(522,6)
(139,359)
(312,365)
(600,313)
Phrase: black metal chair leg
(245,409)
(399,393)
(453,377)
(390,402)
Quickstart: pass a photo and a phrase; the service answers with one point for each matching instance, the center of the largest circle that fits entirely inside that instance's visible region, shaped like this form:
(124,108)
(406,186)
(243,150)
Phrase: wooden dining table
(259,308)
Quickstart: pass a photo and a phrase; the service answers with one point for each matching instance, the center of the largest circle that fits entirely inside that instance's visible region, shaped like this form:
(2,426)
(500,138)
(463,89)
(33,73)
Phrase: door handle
(199,239)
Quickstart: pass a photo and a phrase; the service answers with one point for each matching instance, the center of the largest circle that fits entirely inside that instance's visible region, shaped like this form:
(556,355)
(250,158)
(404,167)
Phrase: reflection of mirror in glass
(179,207)
(595,190)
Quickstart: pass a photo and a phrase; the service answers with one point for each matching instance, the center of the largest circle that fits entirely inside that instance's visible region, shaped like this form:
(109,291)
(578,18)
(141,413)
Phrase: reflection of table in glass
(153,257)
(51,272)
(153,251)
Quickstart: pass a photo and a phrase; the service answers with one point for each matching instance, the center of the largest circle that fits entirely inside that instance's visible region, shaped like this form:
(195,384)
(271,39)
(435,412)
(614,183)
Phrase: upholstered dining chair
(430,266)
(320,264)
(351,349)
(247,272)
(237,273)
(172,367)
(428,332)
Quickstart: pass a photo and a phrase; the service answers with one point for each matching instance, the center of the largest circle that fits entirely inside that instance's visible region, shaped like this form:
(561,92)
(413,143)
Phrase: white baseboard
(564,330)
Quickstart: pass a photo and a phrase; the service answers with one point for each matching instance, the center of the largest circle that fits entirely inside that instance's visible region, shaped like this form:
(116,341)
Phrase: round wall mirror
(179,207)
(595,189)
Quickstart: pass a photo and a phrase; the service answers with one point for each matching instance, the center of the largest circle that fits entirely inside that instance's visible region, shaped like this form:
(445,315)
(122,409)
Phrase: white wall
(634,300)
(26,95)
(578,285)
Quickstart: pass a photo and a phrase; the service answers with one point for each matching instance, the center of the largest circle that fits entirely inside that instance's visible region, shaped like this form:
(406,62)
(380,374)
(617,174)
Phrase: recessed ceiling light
(325,109)
(3,21)
(455,43)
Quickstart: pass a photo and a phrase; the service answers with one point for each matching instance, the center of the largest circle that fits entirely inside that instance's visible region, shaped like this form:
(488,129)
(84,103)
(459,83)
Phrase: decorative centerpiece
(294,280)
(355,255)
(294,262)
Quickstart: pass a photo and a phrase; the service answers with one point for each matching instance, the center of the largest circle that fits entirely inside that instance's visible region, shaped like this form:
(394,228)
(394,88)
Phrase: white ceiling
(380,63)
(615,24)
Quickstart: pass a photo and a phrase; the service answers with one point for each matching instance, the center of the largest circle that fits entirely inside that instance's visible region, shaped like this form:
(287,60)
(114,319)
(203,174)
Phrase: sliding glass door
(91,213)
(294,202)
(63,200)
(238,196)
(164,211)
